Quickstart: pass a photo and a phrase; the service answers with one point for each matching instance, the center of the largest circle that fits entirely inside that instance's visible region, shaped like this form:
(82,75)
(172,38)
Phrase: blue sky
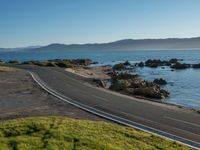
(41,22)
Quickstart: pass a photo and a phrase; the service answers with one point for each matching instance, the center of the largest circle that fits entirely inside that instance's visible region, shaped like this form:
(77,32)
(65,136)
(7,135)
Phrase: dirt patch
(92,72)
(20,97)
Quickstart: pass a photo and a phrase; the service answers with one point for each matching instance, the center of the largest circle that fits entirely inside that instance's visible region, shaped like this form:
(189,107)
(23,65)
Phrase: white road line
(131,115)
(98,97)
(193,124)
(115,118)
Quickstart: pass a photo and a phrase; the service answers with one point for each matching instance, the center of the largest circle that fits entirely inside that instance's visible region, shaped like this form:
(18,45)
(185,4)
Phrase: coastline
(162,110)
(99,72)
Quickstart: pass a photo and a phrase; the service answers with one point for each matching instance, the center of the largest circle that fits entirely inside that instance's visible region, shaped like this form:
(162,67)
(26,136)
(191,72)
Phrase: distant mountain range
(127,44)
(18,48)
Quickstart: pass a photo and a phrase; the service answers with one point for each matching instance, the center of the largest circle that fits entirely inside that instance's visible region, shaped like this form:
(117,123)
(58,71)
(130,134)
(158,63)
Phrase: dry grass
(4,69)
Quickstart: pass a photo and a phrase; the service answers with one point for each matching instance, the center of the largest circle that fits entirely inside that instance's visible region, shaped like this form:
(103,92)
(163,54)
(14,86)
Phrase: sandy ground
(20,96)
(91,72)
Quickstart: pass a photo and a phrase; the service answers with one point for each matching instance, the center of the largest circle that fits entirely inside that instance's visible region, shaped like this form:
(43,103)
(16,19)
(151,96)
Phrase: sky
(42,22)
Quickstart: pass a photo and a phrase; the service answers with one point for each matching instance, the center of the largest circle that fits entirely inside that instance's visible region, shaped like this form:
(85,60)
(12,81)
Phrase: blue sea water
(183,85)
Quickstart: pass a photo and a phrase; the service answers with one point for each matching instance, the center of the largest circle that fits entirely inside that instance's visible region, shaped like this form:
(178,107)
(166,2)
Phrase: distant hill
(18,49)
(129,44)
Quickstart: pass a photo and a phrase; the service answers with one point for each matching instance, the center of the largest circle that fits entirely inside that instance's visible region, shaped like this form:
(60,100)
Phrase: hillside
(54,133)
(130,44)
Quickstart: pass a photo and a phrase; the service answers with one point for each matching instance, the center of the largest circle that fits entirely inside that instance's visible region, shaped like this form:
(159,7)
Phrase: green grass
(54,133)
(4,69)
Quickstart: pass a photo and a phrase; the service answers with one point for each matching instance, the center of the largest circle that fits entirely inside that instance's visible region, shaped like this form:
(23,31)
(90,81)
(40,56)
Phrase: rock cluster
(160,81)
(172,63)
(196,65)
(121,66)
(134,85)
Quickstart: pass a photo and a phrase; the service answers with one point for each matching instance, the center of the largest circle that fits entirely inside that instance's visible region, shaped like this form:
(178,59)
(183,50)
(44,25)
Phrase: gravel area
(20,97)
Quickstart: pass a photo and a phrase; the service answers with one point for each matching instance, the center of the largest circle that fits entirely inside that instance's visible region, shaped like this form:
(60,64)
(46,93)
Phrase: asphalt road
(151,116)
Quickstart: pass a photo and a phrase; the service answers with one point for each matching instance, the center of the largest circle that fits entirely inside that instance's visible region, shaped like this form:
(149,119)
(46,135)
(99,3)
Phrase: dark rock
(196,66)
(149,92)
(180,66)
(173,60)
(134,85)
(160,81)
(164,93)
(156,62)
(100,83)
(127,63)
(14,62)
(119,66)
(94,62)
(141,64)
(110,73)
(153,63)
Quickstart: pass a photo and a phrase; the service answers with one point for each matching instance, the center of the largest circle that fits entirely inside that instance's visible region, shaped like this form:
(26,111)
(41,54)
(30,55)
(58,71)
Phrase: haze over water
(183,85)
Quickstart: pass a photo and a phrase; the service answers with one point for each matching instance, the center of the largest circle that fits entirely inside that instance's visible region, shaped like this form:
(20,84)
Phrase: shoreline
(85,72)
(154,110)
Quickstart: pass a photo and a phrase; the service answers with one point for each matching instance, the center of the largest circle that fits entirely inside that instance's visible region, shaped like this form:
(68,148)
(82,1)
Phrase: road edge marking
(67,99)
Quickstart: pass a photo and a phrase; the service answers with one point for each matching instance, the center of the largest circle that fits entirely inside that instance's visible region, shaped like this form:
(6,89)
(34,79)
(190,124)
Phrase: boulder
(119,66)
(100,83)
(149,92)
(140,64)
(127,63)
(120,85)
(160,81)
(173,60)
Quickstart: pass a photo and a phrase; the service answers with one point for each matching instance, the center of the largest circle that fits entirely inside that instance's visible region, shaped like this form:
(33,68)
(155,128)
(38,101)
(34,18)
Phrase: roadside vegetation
(53,133)
(63,63)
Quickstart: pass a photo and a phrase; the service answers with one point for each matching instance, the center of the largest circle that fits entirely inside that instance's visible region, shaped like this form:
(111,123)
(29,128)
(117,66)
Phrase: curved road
(171,122)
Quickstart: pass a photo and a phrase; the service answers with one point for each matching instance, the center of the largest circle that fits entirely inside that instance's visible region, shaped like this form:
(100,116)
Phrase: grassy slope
(62,133)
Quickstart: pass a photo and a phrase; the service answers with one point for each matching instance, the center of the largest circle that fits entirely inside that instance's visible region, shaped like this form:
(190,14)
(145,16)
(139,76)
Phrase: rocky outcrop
(196,66)
(134,85)
(119,66)
(157,62)
(180,66)
(149,92)
(174,60)
(140,64)
(160,81)
(127,63)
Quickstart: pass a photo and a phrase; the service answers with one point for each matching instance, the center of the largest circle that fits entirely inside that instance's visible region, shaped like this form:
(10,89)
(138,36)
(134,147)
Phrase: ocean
(183,85)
